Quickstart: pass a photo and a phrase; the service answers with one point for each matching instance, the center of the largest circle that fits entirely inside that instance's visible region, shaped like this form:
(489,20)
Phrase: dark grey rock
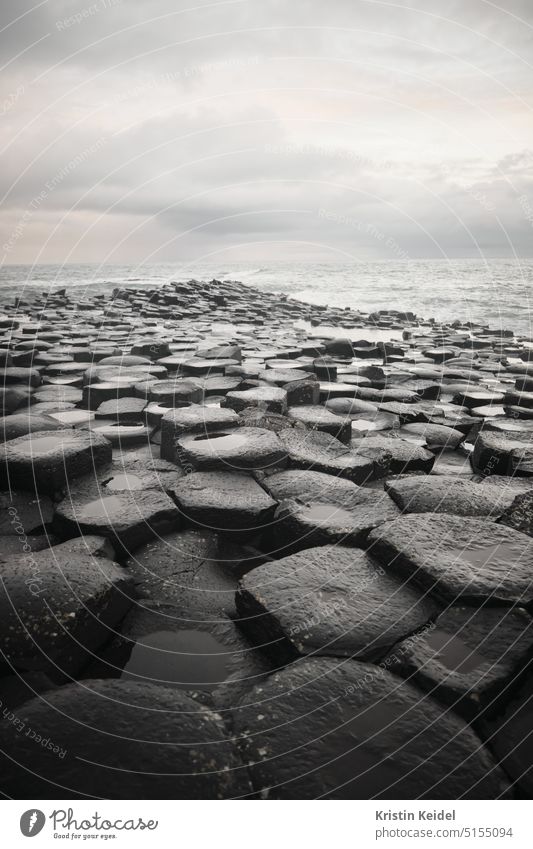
(161,743)
(46,461)
(329,600)
(22,514)
(270,399)
(194,419)
(321,452)
(319,418)
(441,494)
(239,449)
(468,657)
(21,424)
(58,605)
(472,559)
(223,501)
(349,730)
(393,454)
(127,518)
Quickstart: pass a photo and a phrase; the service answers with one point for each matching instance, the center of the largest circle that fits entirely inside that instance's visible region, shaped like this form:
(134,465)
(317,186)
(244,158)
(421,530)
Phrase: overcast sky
(168,130)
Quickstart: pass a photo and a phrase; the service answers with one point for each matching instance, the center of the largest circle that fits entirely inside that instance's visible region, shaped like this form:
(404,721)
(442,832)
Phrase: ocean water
(496,292)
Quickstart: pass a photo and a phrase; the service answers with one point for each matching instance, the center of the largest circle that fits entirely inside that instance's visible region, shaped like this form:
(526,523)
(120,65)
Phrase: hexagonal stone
(443,494)
(350,730)
(22,376)
(128,518)
(321,452)
(393,454)
(224,501)
(318,418)
(194,419)
(92,745)
(328,600)
(236,450)
(46,461)
(497,453)
(21,424)
(176,392)
(468,656)
(58,605)
(434,435)
(270,399)
(298,525)
(122,409)
(471,559)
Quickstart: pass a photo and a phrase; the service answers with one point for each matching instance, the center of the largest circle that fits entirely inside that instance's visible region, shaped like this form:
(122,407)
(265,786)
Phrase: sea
(498,293)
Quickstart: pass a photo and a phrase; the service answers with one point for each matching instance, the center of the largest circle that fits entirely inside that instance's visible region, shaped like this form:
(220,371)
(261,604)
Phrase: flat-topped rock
(508,737)
(47,461)
(128,518)
(350,730)
(22,514)
(93,744)
(59,604)
(270,399)
(393,454)
(434,435)
(238,449)
(475,560)
(310,519)
(468,657)
(519,514)
(319,418)
(21,424)
(122,410)
(321,452)
(329,600)
(445,494)
(224,501)
(498,453)
(194,419)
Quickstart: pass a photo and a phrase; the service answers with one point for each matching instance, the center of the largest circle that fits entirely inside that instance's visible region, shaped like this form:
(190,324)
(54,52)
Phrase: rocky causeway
(256,548)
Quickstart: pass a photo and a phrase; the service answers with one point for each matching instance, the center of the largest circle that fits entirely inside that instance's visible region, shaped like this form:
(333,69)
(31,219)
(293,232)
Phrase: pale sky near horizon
(282,129)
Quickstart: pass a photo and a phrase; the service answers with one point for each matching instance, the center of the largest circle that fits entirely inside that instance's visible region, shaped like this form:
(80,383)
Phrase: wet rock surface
(472,559)
(58,605)
(470,658)
(325,728)
(443,494)
(127,518)
(302,500)
(224,501)
(93,742)
(329,600)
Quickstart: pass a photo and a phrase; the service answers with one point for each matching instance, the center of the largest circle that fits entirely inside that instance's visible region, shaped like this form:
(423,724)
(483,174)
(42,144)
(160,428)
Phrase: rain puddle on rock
(125,481)
(327,514)
(184,659)
(101,508)
(226,441)
(41,445)
(453,652)
(490,556)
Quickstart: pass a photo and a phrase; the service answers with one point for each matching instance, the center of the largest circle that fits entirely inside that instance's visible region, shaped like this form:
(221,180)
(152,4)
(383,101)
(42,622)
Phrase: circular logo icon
(32,822)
